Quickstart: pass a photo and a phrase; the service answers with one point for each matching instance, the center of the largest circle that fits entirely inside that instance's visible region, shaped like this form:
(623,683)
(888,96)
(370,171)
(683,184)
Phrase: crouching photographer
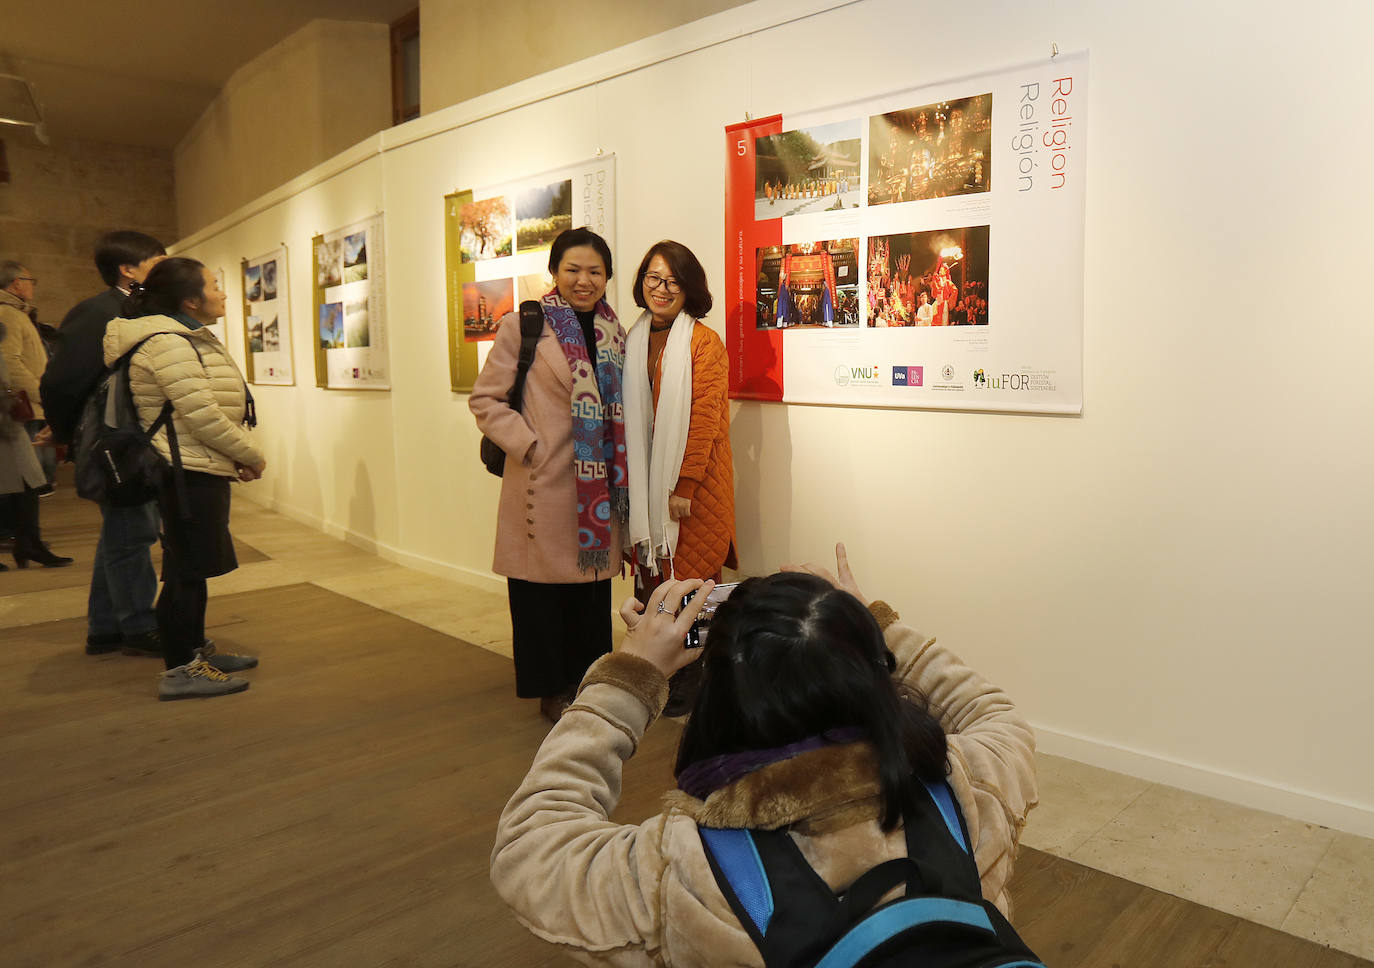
(827,736)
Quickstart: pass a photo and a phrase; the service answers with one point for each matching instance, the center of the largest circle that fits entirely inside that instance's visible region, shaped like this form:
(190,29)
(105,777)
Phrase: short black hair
(570,238)
(123,248)
(791,657)
(686,269)
(170,283)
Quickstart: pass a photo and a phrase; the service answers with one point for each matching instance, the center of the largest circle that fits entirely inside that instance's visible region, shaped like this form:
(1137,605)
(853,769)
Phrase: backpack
(116,462)
(531,325)
(942,921)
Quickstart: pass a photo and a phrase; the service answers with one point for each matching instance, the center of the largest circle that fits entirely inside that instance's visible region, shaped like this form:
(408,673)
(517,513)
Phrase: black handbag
(531,325)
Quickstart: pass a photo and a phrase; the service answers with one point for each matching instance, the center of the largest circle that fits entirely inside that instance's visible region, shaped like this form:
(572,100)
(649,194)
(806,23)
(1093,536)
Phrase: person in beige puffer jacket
(179,360)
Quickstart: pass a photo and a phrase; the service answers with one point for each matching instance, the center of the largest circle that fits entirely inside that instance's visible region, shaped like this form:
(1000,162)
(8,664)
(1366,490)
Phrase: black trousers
(196,545)
(181,617)
(557,632)
(22,517)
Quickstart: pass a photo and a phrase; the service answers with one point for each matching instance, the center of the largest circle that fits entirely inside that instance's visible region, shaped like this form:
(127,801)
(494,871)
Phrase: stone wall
(317,92)
(471,47)
(62,197)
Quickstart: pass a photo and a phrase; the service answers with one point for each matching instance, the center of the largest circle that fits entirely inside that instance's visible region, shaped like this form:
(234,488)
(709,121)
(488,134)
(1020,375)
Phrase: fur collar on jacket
(814,792)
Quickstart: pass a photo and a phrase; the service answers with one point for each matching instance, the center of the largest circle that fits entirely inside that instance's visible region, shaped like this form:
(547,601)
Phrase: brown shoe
(553,707)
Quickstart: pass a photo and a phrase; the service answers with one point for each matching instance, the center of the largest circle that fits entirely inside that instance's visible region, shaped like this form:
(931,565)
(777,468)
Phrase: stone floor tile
(1076,801)
(1241,861)
(1336,908)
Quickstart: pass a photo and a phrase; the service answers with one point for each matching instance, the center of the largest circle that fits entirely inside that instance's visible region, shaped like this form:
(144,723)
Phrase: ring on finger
(662,608)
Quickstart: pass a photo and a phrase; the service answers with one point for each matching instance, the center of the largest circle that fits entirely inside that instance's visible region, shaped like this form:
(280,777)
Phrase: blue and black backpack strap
(795,919)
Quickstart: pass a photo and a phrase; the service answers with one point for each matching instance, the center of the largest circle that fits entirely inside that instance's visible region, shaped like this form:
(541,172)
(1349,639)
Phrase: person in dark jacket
(119,613)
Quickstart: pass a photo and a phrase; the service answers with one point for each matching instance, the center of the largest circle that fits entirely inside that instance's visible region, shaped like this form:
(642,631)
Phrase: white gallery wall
(1172,584)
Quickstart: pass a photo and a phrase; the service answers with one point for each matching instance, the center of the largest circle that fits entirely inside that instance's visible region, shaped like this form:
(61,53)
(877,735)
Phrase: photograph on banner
(252,284)
(937,278)
(350,308)
(808,170)
(484,303)
(269,279)
(812,285)
(331,326)
(355,257)
(497,250)
(266,319)
(486,229)
(931,151)
(971,220)
(541,212)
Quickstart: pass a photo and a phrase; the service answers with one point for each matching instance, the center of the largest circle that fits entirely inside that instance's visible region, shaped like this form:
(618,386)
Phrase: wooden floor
(341,812)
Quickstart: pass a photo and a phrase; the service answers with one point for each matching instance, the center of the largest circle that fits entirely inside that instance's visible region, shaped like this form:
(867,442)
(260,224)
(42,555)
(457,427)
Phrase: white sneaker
(197,680)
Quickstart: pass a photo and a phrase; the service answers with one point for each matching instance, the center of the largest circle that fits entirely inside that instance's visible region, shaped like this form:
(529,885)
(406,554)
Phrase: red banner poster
(919,249)
(755,354)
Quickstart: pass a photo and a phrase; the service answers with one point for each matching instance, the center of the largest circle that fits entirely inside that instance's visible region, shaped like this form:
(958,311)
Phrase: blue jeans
(123,582)
(47,455)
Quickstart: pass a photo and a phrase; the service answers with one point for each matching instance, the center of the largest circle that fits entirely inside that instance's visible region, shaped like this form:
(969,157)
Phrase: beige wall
(1169,584)
(63,197)
(470,47)
(324,88)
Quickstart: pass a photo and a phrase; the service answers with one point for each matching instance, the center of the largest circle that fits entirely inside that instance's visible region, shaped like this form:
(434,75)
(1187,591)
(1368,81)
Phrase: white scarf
(654,445)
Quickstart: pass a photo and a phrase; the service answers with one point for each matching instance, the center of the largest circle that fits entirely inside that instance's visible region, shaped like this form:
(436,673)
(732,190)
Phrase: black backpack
(531,325)
(796,920)
(116,462)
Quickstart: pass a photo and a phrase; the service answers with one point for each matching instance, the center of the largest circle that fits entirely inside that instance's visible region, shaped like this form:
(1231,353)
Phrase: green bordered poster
(349,307)
(267,319)
(497,243)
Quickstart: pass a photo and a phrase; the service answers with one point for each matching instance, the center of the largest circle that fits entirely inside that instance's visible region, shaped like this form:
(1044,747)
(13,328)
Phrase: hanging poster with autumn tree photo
(497,250)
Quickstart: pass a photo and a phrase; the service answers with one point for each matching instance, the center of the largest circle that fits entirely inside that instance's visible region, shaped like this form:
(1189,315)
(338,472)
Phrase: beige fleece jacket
(644,894)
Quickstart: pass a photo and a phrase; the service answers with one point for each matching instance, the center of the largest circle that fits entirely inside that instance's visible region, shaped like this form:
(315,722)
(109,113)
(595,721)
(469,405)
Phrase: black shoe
(46,490)
(103,644)
(144,643)
(39,552)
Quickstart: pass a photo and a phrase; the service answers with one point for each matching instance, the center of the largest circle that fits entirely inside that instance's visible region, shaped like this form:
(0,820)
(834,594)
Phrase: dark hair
(124,248)
(685,269)
(170,283)
(791,657)
(569,238)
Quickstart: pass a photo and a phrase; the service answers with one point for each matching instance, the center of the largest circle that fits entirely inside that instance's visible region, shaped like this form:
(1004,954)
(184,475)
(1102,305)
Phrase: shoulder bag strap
(531,325)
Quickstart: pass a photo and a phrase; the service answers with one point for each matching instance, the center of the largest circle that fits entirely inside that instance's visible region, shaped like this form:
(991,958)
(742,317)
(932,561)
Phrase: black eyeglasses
(25,278)
(653,280)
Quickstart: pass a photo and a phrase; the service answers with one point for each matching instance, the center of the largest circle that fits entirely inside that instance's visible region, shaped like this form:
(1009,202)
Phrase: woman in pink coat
(560,527)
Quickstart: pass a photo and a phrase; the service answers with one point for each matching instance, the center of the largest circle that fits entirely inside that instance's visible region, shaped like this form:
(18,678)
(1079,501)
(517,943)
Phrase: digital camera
(696,638)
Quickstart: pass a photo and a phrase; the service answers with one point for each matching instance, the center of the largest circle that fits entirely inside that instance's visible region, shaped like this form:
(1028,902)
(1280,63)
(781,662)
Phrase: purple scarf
(702,779)
(598,428)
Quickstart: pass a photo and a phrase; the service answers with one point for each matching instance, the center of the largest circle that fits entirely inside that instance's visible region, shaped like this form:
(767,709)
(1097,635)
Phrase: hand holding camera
(656,631)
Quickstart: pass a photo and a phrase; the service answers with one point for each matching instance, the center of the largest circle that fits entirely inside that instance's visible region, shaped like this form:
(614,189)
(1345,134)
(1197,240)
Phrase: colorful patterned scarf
(598,442)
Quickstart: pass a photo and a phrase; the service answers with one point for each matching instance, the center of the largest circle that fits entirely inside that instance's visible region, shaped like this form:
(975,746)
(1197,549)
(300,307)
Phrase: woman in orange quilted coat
(677,435)
(677,425)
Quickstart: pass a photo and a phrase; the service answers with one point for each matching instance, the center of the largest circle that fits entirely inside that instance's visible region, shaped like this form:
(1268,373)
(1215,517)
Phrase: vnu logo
(857,375)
